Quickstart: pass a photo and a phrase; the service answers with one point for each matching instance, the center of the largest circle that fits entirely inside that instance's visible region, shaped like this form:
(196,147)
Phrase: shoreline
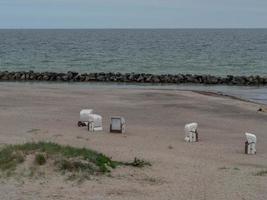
(233,92)
(253,80)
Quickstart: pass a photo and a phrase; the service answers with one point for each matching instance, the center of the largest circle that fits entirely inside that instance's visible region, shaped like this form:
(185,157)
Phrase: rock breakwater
(132,78)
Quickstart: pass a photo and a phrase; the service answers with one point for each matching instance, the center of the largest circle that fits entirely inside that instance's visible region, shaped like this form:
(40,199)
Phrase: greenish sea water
(158,51)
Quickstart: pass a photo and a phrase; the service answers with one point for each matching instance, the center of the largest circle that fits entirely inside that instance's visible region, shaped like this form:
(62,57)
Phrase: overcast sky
(133,13)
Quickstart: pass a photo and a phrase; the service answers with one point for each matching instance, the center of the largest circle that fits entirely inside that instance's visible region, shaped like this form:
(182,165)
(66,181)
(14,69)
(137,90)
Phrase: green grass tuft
(66,158)
(261,173)
(10,157)
(236,168)
(137,163)
(33,130)
(40,159)
(223,168)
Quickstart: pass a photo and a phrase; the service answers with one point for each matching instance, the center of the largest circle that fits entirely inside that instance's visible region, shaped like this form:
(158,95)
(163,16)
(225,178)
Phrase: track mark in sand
(141,178)
(151,180)
(55,196)
(223,168)
(57,135)
(124,192)
(34,130)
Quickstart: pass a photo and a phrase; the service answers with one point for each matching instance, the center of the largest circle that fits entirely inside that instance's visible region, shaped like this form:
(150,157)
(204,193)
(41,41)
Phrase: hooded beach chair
(250,145)
(92,121)
(117,124)
(191,134)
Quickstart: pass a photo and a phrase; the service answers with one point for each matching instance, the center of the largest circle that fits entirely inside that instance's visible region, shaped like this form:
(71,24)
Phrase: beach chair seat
(250,144)
(191,134)
(117,124)
(95,123)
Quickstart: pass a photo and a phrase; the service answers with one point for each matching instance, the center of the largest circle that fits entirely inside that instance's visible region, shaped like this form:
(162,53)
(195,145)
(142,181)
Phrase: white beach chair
(84,117)
(191,134)
(250,145)
(117,125)
(95,123)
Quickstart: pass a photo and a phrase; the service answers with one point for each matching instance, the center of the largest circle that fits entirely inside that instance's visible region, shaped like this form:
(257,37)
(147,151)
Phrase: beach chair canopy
(84,114)
(192,127)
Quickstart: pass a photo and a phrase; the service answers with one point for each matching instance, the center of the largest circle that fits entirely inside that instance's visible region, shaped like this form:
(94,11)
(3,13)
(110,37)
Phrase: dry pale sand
(214,168)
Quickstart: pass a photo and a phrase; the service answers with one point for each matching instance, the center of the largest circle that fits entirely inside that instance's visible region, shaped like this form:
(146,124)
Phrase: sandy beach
(215,168)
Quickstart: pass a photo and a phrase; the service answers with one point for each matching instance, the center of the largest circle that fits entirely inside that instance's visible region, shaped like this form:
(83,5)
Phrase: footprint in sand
(35,131)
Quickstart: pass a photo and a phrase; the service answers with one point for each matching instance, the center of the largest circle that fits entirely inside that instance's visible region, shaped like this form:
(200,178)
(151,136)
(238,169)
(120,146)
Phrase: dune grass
(261,173)
(40,159)
(64,158)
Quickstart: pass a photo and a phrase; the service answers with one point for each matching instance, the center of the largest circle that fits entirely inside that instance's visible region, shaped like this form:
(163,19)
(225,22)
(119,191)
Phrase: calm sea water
(198,51)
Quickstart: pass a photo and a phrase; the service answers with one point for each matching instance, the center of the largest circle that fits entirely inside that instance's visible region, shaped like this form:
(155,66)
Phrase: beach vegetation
(137,163)
(66,159)
(236,168)
(40,159)
(261,173)
(223,168)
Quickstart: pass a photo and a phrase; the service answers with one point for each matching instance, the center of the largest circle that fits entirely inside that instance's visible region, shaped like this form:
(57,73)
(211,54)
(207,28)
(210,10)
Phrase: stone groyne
(132,78)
